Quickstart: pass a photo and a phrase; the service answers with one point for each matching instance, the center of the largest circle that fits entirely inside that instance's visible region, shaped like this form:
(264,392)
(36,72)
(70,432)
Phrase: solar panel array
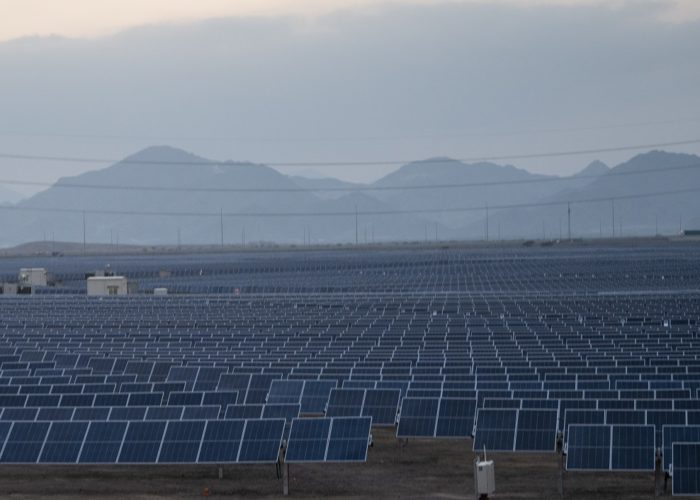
(509,348)
(611,447)
(142,442)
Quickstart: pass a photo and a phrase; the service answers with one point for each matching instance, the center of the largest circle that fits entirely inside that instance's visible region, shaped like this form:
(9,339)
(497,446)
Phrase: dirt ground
(440,469)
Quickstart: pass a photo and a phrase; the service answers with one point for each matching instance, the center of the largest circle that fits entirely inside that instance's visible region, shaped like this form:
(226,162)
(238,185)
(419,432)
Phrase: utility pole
(356,236)
(179,243)
(84,240)
(657,225)
(569,214)
(612,202)
(544,234)
(487,221)
(221,220)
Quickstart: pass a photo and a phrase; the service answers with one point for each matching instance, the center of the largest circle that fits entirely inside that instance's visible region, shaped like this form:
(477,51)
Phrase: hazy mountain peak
(596,167)
(164,153)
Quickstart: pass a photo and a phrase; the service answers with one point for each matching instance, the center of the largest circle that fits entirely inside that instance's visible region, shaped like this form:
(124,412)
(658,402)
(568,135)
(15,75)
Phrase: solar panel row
(182,441)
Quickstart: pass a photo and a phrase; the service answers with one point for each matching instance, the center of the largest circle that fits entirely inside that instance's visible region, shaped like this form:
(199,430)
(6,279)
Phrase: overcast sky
(350,80)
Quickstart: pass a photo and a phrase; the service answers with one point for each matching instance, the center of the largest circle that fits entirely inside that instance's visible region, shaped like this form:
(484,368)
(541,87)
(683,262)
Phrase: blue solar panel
(536,430)
(349,439)
(201,412)
(222,441)
(308,440)
(418,417)
(678,434)
(243,411)
(181,441)
(315,396)
(24,442)
(103,442)
(633,448)
(261,441)
(382,405)
(588,447)
(686,469)
(64,442)
(142,442)
(456,418)
(495,430)
(345,403)
(285,392)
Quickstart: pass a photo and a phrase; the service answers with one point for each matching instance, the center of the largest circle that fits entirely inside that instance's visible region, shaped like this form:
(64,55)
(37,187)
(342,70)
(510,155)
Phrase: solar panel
(24,442)
(536,431)
(495,430)
(261,441)
(678,434)
(588,447)
(285,392)
(102,442)
(308,440)
(181,441)
(686,469)
(243,411)
(222,441)
(201,412)
(315,396)
(63,442)
(456,418)
(418,417)
(382,405)
(633,448)
(142,442)
(349,439)
(345,403)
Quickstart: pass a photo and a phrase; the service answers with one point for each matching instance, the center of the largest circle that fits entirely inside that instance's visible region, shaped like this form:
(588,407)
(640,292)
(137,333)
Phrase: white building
(107,285)
(32,276)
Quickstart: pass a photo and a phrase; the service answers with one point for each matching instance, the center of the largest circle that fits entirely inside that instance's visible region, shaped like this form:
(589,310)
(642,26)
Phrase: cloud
(396,82)
(87,18)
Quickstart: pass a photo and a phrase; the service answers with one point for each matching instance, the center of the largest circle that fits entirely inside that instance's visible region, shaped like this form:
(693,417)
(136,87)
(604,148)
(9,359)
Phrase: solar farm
(358,373)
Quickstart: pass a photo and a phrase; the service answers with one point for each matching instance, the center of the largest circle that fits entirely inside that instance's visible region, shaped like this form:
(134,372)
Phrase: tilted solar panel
(456,418)
(349,439)
(261,441)
(63,442)
(495,430)
(308,440)
(222,441)
(418,417)
(677,434)
(142,442)
(103,442)
(181,441)
(686,469)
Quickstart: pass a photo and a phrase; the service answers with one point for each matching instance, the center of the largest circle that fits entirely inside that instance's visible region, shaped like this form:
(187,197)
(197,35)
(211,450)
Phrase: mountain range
(260,204)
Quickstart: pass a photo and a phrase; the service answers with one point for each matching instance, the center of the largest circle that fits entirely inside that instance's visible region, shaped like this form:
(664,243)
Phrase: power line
(536,180)
(454,133)
(574,152)
(352,213)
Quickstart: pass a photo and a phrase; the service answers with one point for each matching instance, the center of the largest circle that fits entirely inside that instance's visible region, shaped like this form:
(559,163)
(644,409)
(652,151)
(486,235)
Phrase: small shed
(107,285)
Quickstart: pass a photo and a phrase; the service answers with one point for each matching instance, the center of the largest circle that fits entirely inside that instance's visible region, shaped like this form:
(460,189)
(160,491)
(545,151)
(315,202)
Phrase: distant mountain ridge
(411,203)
